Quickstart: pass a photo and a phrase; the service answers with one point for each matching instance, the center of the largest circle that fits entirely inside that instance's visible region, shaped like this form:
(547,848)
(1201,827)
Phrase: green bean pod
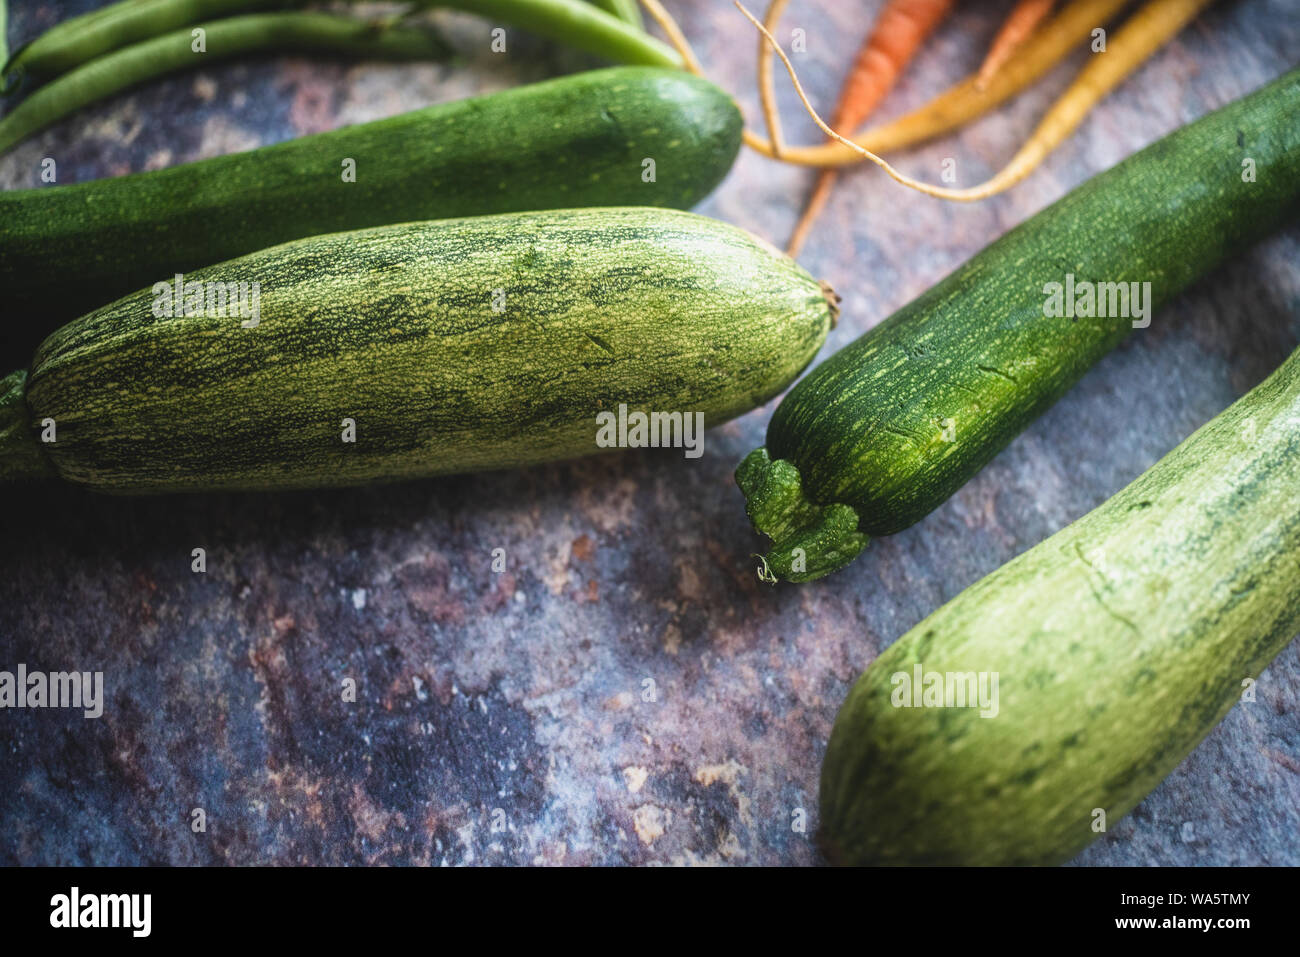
(576,24)
(4,35)
(225,39)
(627,10)
(79,40)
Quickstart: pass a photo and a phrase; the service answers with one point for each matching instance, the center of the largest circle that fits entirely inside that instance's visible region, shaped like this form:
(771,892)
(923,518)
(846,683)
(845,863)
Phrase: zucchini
(576,141)
(451,346)
(1118,643)
(885,430)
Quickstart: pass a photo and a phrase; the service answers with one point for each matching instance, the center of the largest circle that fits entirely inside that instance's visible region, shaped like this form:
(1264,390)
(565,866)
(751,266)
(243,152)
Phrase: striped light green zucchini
(448,346)
(1117,644)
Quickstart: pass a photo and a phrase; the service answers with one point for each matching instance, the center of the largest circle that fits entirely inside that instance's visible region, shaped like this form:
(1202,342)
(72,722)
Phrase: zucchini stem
(808,540)
(21,456)
(833,299)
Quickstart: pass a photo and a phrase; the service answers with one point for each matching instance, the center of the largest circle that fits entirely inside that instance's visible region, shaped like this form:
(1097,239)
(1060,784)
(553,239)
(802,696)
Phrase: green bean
(575,23)
(626,10)
(77,41)
(235,36)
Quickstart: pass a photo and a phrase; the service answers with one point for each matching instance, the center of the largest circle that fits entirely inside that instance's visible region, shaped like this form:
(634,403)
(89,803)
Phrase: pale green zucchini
(451,346)
(1118,643)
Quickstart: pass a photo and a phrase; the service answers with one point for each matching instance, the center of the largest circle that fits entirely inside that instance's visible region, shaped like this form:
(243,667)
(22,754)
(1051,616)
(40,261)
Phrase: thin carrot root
(1145,32)
(770,115)
(817,200)
(1016,29)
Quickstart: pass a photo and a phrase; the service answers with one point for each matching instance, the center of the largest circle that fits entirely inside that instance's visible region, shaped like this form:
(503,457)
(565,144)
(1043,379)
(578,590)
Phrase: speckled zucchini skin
(576,141)
(893,424)
(396,328)
(1120,642)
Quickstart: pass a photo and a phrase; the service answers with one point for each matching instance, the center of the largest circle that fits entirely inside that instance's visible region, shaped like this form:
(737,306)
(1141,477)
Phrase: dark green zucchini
(885,430)
(1117,644)
(416,349)
(582,140)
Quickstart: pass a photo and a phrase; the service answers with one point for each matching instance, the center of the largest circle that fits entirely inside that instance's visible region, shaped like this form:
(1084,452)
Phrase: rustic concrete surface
(625,691)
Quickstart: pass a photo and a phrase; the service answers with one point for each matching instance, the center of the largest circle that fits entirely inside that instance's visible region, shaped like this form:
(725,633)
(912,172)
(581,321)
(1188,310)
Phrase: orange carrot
(900,29)
(1022,21)
(899,32)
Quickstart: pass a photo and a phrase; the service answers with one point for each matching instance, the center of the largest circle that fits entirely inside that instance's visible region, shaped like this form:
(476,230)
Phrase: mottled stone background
(523,691)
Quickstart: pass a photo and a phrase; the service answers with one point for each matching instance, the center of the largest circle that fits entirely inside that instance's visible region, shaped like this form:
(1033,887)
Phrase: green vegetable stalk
(20,456)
